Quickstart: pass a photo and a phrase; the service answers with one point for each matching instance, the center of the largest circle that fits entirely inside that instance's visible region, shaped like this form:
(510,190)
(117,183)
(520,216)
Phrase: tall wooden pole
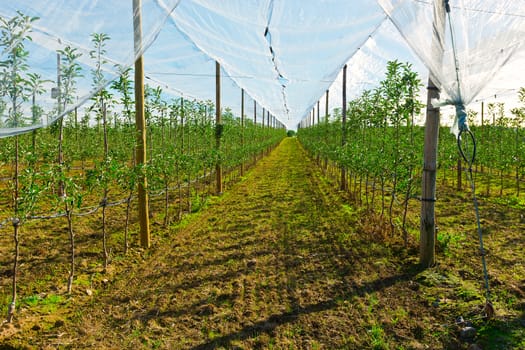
(254,113)
(242,128)
(318,109)
(263,116)
(60,109)
(326,108)
(140,122)
(218,126)
(325,165)
(482,127)
(427,242)
(344,185)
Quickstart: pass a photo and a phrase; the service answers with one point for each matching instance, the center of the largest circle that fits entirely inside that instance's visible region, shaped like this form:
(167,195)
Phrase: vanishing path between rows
(273,262)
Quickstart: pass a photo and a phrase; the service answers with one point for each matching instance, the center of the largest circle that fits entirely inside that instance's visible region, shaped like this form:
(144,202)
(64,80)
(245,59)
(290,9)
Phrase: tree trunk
(69,214)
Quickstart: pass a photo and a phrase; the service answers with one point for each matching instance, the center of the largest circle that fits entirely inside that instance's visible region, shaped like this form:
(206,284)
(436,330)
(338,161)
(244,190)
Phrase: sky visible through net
(284,54)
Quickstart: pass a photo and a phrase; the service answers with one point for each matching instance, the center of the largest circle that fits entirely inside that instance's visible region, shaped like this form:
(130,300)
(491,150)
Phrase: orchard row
(380,148)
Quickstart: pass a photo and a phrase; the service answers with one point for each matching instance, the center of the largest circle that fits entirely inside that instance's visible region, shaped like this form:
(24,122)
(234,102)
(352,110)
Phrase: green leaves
(70,71)
(13,33)
(99,41)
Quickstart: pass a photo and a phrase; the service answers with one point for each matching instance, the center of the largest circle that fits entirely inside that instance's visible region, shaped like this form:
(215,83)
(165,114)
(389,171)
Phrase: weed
(377,335)
(31,300)
(372,302)
(468,292)
(212,334)
(155,344)
(47,304)
(82,280)
(448,242)
(507,298)
(501,335)
(136,333)
(511,201)
(399,314)
(198,202)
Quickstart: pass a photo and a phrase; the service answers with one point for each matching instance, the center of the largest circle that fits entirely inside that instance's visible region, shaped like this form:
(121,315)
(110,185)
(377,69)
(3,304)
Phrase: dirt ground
(282,260)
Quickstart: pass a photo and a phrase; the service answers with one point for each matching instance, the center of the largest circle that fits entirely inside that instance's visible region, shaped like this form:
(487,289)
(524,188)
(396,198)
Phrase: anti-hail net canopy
(285,54)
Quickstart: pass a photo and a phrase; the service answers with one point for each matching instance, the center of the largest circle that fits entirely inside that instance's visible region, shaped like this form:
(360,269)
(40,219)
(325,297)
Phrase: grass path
(272,263)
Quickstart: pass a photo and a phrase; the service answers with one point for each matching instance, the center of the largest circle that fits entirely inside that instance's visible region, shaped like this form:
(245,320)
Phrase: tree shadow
(272,322)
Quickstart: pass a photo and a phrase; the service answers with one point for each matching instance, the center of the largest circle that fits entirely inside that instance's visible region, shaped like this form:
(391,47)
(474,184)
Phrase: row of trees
(381,146)
(86,160)
(378,143)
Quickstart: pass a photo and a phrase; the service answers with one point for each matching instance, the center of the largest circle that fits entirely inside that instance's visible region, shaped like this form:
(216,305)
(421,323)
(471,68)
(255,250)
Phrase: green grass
(377,337)
(46,305)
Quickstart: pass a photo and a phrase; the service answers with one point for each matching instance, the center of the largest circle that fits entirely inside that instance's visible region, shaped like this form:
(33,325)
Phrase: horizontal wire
(477,10)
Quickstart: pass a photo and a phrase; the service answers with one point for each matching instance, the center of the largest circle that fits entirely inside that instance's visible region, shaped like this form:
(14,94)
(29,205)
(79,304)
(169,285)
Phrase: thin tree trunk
(459,174)
(16,239)
(105,184)
(382,197)
(180,195)
(12,306)
(126,226)
(405,209)
(373,193)
(166,202)
(69,214)
(501,183)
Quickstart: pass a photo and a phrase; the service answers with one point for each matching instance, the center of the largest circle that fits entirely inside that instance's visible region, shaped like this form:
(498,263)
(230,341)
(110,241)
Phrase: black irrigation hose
(488,309)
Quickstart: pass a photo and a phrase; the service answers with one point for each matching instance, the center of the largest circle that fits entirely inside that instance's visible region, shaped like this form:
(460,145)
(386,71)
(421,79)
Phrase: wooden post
(218,126)
(326,108)
(427,242)
(482,128)
(318,159)
(318,102)
(60,155)
(254,113)
(255,125)
(325,165)
(344,184)
(263,118)
(242,128)
(140,122)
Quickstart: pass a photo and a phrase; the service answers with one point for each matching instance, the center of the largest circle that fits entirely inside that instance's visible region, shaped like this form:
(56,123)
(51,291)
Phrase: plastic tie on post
(461,115)
(460,121)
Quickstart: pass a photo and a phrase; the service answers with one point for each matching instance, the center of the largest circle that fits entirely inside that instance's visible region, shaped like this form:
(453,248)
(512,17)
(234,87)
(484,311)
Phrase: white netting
(62,24)
(284,54)
(477,39)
